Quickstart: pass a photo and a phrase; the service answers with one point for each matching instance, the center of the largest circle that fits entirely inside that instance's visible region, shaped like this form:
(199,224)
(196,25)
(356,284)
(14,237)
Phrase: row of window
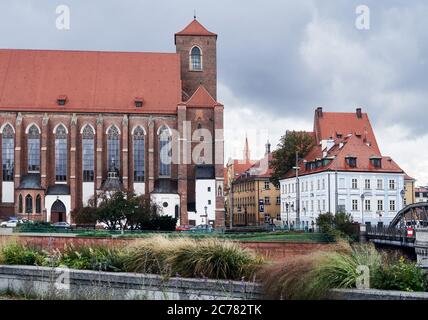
(29,204)
(250,201)
(321,185)
(320,205)
(88,152)
(249,186)
(368,205)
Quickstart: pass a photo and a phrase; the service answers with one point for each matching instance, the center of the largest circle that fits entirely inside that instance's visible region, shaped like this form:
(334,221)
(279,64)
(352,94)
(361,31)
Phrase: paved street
(6,231)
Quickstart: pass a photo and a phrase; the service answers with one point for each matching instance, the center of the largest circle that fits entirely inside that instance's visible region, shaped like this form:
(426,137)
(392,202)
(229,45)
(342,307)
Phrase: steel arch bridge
(401,231)
(414,215)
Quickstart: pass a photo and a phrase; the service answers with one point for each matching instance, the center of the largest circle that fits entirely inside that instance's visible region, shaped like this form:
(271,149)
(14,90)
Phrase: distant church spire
(246,151)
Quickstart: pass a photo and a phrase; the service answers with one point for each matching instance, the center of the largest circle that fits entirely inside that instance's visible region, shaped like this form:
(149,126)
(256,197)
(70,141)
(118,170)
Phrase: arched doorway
(58,212)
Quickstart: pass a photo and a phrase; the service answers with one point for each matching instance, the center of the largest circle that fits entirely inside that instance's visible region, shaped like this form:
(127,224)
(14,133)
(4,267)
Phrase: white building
(421,194)
(205,196)
(343,172)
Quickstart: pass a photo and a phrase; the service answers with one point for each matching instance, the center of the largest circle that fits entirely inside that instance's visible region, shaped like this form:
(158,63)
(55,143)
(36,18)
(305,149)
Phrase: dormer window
(62,99)
(376,162)
(138,102)
(351,161)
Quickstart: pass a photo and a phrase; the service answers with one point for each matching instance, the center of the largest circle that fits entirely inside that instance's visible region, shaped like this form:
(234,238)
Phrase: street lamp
(206,215)
(286,209)
(402,194)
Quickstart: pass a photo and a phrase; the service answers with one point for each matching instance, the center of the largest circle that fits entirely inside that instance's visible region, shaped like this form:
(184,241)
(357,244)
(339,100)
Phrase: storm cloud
(277,60)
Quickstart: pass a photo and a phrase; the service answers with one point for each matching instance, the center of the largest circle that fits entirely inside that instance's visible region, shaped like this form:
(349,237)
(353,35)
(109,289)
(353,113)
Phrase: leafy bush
(36,226)
(91,258)
(18,254)
(340,225)
(400,275)
(160,223)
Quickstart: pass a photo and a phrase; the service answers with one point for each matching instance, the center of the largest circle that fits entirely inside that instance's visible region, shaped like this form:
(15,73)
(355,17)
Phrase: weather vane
(194,14)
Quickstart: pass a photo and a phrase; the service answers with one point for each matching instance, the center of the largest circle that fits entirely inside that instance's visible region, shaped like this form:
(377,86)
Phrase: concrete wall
(82,284)
(373,294)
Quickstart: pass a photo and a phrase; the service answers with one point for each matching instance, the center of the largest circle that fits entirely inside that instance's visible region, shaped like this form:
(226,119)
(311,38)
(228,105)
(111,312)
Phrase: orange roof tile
(202,99)
(194,28)
(92,81)
(332,123)
(363,146)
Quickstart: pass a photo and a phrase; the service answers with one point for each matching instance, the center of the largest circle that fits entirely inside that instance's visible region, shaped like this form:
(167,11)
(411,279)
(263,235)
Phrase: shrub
(35,226)
(213,258)
(339,270)
(400,275)
(311,276)
(339,225)
(160,223)
(149,255)
(191,258)
(18,254)
(91,258)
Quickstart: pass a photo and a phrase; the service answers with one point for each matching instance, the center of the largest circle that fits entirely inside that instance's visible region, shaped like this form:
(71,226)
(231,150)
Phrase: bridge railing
(390,233)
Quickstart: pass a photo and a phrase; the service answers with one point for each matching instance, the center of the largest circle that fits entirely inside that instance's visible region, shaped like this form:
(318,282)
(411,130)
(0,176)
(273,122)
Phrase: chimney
(318,112)
(359,113)
(267,147)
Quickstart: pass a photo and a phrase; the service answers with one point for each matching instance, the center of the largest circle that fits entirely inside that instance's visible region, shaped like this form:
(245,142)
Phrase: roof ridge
(195,28)
(201,97)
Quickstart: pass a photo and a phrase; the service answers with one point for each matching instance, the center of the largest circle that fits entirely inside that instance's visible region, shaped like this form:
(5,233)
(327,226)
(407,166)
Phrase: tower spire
(246,150)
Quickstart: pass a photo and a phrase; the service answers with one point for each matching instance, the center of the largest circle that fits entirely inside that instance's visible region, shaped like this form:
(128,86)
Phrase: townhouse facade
(343,172)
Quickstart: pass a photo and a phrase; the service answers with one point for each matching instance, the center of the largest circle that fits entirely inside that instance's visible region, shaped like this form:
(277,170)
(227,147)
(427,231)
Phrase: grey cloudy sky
(278,60)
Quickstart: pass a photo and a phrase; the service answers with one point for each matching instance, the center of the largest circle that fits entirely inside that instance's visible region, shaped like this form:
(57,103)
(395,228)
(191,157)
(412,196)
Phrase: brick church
(76,123)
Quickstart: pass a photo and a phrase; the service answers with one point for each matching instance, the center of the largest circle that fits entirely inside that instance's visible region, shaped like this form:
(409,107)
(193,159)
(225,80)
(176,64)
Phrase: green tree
(340,224)
(284,158)
(325,222)
(85,215)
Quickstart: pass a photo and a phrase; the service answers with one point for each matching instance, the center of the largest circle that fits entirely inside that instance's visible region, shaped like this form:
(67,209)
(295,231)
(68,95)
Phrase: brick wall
(270,250)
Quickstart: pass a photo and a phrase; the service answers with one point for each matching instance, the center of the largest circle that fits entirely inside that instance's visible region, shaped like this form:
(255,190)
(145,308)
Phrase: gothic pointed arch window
(33,147)
(196,59)
(113,152)
(28,204)
(8,149)
(164,152)
(38,204)
(60,154)
(88,153)
(138,151)
(20,206)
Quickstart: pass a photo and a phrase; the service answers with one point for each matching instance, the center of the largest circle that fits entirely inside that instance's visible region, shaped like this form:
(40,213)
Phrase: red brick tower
(198,51)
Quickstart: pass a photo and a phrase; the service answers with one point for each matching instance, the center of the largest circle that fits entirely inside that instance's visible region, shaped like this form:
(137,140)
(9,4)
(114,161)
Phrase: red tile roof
(260,169)
(332,123)
(92,81)
(407,177)
(363,146)
(202,99)
(194,28)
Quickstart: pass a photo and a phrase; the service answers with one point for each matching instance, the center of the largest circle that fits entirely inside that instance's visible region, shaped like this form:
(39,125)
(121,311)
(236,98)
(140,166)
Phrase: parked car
(202,228)
(101,225)
(11,223)
(61,225)
(183,228)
